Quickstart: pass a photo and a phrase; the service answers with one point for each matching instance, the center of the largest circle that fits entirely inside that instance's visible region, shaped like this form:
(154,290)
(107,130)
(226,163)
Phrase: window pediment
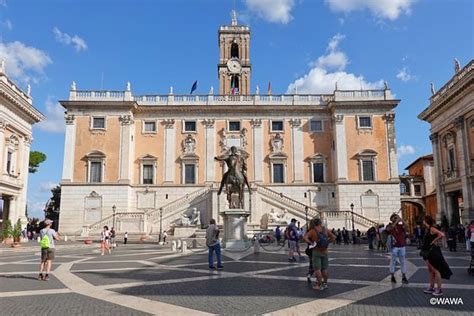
(95,154)
(367,153)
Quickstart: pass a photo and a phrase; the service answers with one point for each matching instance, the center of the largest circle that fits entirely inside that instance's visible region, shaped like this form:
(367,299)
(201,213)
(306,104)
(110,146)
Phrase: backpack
(45,243)
(323,240)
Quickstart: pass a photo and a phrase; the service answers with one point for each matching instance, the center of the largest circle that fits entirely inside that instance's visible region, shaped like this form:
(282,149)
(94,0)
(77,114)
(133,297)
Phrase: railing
(109,220)
(458,76)
(170,208)
(287,201)
(362,220)
(354,95)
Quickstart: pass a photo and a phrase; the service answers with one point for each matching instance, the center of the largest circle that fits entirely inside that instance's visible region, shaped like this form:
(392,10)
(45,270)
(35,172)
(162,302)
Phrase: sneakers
(429,290)
(40,277)
(212,268)
(393,279)
(308,277)
(324,286)
(404,280)
(46,278)
(438,292)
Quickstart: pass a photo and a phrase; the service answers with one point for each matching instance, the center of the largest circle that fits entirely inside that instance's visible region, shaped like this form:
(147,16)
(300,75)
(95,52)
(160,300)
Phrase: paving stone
(460,276)
(236,296)
(108,265)
(28,282)
(24,267)
(62,304)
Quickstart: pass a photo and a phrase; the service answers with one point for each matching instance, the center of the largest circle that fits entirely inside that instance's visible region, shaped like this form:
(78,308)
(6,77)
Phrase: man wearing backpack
(319,238)
(48,236)
(292,236)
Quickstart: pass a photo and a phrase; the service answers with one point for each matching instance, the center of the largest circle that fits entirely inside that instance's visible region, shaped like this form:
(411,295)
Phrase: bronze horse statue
(235,178)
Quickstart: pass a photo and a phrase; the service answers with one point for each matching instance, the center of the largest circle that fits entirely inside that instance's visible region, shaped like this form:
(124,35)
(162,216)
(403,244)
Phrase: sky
(302,44)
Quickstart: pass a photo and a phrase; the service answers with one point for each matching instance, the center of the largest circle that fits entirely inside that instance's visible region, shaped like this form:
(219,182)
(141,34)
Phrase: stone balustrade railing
(289,202)
(257,99)
(110,219)
(444,89)
(362,220)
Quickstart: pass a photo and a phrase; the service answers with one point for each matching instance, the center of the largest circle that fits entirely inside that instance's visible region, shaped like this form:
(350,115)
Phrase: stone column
(341,149)
(257,150)
(3,124)
(13,209)
(210,152)
(297,149)
(170,148)
(440,194)
(69,148)
(391,146)
(126,156)
(464,162)
(24,177)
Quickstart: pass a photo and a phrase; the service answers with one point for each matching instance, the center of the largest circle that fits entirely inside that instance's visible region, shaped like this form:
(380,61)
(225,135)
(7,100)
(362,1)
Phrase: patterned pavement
(141,279)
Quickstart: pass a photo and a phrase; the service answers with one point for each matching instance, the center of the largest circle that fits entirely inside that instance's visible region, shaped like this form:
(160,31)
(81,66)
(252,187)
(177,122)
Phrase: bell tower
(234,68)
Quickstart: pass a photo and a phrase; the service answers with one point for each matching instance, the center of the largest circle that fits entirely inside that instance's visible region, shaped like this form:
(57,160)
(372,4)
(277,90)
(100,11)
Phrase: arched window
(403,188)
(95,166)
(234,84)
(234,50)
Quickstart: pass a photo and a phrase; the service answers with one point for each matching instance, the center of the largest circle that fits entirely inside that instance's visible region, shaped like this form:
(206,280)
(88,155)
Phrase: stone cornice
(19,99)
(458,85)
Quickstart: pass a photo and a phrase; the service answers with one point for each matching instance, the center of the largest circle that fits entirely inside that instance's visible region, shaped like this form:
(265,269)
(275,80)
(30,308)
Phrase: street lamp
(306,214)
(161,225)
(353,232)
(114,208)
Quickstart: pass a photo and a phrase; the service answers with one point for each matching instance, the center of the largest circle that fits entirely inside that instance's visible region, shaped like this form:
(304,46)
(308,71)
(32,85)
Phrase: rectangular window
(150,127)
(234,126)
(277,126)
(417,189)
(278,176)
(98,122)
(316,126)
(96,171)
(452,160)
(9,162)
(148,176)
(368,170)
(365,122)
(318,172)
(190,126)
(189,174)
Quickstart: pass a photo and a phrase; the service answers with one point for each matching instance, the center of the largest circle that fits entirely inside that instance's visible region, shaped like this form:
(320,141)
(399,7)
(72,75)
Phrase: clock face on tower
(234,66)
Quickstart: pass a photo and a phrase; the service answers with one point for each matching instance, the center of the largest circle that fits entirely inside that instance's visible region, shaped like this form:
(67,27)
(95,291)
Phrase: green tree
(53,206)
(36,158)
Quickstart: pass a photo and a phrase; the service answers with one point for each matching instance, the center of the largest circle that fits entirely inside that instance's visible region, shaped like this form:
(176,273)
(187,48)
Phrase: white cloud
(78,43)
(329,69)
(385,9)
(277,11)
(54,122)
(22,62)
(47,186)
(404,75)
(406,150)
(36,209)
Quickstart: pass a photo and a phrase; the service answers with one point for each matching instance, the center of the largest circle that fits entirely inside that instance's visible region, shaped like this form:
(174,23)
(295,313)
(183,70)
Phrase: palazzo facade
(17,115)
(451,115)
(139,162)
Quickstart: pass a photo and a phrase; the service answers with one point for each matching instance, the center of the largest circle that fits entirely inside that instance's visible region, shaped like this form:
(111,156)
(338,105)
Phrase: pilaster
(69,148)
(126,149)
(2,144)
(341,149)
(170,149)
(257,149)
(391,145)
(462,142)
(297,150)
(26,146)
(440,194)
(210,152)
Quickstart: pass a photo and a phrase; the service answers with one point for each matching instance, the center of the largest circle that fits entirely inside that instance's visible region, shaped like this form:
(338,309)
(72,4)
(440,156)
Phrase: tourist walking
(309,252)
(165,235)
(437,267)
(105,241)
(452,234)
(419,235)
(213,244)
(112,237)
(319,238)
(125,238)
(47,243)
(371,234)
(338,236)
(471,236)
(345,236)
(292,236)
(397,229)
(468,235)
(278,234)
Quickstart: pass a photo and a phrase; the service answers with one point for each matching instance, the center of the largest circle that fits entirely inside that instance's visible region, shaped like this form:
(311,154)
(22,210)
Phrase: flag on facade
(194,87)
(269,88)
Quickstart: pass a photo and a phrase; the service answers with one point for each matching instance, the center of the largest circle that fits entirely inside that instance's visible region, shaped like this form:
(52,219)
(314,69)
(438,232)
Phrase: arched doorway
(412,213)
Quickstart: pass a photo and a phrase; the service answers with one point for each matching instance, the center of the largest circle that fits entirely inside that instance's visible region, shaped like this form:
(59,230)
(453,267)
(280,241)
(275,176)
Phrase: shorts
(320,260)
(293,244)
(47,254)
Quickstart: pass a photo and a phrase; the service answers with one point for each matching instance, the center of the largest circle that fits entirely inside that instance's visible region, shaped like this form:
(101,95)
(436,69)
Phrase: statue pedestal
(185,231)
(235,228)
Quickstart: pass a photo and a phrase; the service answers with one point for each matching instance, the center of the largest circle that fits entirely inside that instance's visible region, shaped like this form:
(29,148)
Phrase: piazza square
(314,173)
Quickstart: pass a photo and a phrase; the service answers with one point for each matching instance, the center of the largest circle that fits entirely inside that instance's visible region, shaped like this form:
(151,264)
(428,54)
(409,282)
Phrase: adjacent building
(139,162)
(451,115)
(17,115)
(418,191)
